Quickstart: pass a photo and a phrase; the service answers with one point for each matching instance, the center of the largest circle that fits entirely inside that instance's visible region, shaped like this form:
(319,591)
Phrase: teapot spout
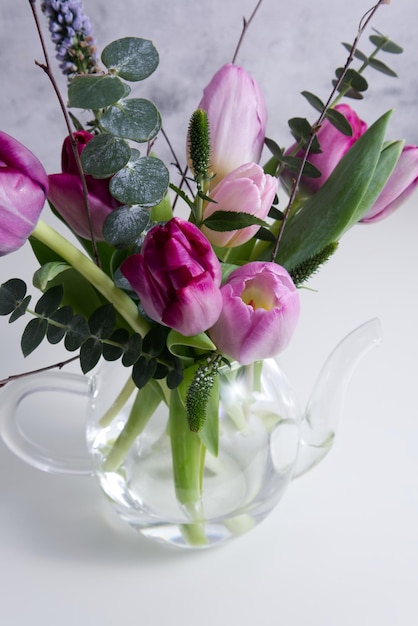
(325,405)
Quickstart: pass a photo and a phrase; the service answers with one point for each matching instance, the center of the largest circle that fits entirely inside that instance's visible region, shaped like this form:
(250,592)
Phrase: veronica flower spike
(71,32)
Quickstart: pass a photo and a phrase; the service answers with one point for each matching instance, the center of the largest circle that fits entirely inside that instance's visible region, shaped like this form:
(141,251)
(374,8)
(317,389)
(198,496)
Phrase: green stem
(118,404)
(146,402)
(96,277)
(188,455)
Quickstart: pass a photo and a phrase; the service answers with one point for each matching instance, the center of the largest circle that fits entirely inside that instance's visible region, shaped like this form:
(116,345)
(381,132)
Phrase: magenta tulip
(259,314)
(23,189)
(66,192)
(246,189)
(334,145)
(237,117)
(401,184)
(177,277)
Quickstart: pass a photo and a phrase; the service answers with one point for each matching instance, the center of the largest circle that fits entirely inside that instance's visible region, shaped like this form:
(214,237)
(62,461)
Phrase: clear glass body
(258,445)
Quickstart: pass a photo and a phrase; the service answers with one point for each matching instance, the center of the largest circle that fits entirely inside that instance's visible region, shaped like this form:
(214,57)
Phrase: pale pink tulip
(259,314)
(237,117)
(401,184)
(246,189)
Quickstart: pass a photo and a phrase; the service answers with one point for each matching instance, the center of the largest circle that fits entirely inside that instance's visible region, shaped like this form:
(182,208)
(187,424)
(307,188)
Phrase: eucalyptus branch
(246,25)
(46,67)
(46,368)
(364,22)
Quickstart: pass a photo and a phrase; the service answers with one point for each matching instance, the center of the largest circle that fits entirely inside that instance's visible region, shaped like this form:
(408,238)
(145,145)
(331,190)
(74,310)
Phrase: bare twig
(245,25)
(364,22)
(46,67)
(59,365)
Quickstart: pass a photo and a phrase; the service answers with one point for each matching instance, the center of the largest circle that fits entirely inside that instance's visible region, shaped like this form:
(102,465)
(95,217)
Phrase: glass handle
(13,432)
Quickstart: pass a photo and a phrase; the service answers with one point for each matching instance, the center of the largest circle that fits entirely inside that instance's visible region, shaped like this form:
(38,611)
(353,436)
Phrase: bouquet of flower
(176,299)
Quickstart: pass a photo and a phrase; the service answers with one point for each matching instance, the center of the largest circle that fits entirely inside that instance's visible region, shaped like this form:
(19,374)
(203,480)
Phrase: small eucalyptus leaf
(104,155)
(143,182)
(113,352)
(340,122)
(301,129)
(313,100)
(143,370)
(382,67)
(77,334)
(132,58)
(137,119)
(133,350)
(124,225)
(12,292)
(20,309)
(385,44)
(155,340)
(49,302)
(33,335)
(58,324)
(95,92)
(357,54)
(90,353)
(102,321)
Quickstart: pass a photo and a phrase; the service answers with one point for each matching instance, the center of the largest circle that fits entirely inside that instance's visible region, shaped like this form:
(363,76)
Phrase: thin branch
(364,22)
(182,173)
(246,25)
(59,365)
(46,67)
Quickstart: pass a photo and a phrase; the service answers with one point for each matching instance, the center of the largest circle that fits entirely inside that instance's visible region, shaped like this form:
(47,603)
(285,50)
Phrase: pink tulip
(23,189)
(177,277)
(259,314)
(246,189)
(401,184)
(66,192)
(237,117)
(334,145)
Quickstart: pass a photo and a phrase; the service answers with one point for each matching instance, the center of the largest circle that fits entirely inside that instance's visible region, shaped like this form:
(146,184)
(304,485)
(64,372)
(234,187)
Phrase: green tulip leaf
(132,58)
(95,92)
(144,182)
(137,119)
(104,155)
(341,201)
(224,221)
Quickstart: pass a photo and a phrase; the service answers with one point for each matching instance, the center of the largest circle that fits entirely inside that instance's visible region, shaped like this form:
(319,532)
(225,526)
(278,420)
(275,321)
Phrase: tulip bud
(23,189)
(248,190)
(237,117)
(66,192)
(177,277)
(259,314)
(333,144)
(401,184)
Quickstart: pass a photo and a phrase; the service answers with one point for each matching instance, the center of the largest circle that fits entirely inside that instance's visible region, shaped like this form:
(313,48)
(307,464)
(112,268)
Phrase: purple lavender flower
(71,32)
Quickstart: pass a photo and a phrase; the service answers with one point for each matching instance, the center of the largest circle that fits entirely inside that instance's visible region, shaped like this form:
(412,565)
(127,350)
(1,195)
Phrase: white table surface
(342,546)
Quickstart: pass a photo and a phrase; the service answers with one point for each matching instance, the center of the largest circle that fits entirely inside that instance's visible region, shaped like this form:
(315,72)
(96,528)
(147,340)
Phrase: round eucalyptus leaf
(95,92)
(137,119)
(124,225)
(132,58)
(143,182)
(12,292)
(104,155)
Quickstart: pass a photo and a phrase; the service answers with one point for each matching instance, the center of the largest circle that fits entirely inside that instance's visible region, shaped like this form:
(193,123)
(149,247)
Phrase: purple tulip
(237,117)
(259,314)
(334,145)
(246,189)
(23,189)
(66,192)
(401,184)
(177,277)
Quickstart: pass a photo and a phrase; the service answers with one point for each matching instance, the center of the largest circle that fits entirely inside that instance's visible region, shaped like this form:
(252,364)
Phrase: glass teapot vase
(181,487)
